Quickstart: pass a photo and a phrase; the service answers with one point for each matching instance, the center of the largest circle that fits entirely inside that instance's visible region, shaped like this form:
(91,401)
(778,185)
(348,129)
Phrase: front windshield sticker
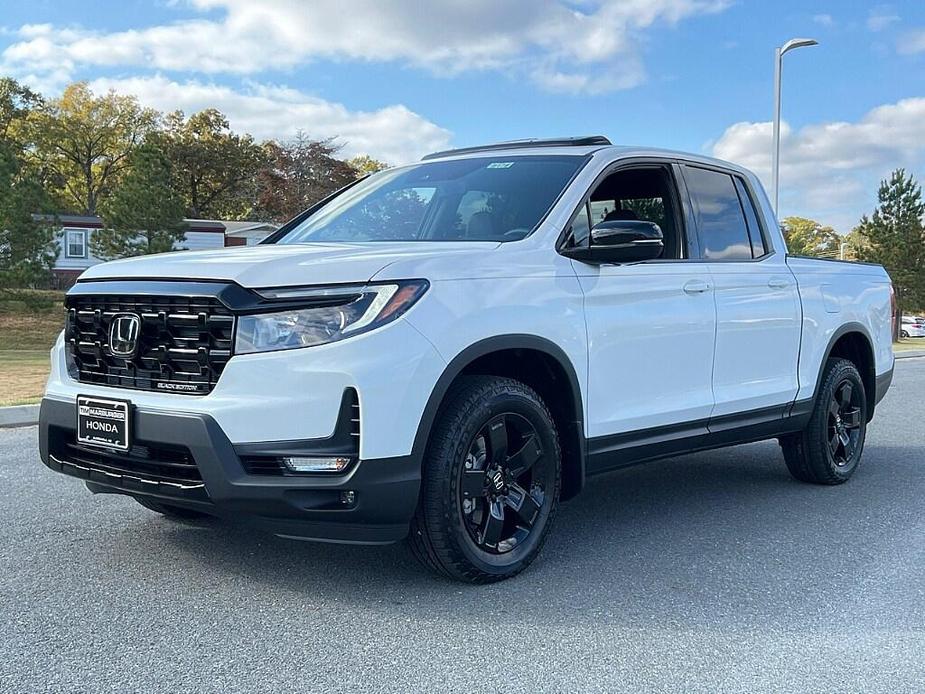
(500,165)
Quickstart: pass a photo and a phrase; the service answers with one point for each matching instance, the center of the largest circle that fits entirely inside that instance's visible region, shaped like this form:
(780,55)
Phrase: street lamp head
(797,43)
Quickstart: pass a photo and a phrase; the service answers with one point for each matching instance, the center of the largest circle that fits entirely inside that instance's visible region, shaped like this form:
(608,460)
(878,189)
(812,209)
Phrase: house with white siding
(76,231)
(252,233)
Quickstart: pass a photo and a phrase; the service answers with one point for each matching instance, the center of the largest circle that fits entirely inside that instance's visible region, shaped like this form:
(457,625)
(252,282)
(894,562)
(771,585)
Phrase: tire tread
(803,453)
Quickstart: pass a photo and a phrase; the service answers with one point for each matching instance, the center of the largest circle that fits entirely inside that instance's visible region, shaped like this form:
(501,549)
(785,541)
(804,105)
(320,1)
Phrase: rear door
(758,311)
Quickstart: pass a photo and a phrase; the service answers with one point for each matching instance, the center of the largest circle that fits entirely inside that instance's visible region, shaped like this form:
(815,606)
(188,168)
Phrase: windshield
(482,199)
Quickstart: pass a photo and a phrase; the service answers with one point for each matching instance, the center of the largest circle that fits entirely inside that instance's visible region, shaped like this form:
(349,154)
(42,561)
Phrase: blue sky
(396,79)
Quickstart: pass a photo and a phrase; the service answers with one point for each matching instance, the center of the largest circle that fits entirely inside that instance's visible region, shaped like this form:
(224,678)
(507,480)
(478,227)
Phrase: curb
(911,354)
(19,416)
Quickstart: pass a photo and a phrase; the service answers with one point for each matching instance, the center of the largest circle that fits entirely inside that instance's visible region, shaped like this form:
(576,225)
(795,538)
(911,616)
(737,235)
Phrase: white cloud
(393,134)
(566,45)
(825,20)
(912,42)
(881,18)
(829,171)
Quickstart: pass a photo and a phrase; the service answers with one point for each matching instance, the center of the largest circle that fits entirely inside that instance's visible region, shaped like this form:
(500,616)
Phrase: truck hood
(282,265)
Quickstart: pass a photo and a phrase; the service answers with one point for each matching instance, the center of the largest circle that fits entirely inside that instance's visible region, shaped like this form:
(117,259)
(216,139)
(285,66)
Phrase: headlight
(324,314)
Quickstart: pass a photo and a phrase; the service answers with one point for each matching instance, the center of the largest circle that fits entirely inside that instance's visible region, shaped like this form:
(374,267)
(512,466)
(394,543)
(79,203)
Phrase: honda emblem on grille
(123,335)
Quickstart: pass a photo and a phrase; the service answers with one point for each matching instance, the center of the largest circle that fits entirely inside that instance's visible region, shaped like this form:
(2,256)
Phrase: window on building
(75,243)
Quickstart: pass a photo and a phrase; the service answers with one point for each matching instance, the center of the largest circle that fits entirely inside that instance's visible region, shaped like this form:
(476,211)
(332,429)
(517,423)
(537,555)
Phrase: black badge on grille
(123,335)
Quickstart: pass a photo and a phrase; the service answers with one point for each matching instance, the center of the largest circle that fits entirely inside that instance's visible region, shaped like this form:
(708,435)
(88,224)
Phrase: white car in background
(912,327)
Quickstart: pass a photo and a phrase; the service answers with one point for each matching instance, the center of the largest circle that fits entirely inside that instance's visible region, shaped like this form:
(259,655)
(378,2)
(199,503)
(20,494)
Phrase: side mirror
(621,241)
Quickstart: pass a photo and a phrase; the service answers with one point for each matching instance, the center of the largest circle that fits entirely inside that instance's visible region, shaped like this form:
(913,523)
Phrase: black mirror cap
(621,241)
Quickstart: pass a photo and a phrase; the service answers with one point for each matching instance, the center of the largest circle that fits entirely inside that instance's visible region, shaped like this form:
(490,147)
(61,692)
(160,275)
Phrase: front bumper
(298,506)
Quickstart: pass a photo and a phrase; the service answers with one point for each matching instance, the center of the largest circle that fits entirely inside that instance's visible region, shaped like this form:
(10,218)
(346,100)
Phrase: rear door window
(723,229)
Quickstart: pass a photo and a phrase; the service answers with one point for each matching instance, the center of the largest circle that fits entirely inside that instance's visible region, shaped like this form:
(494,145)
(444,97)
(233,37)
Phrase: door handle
(696,287)
(778,283)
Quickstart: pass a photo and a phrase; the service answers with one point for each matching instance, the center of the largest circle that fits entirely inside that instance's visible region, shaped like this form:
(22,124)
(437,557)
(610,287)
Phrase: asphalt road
(712,572)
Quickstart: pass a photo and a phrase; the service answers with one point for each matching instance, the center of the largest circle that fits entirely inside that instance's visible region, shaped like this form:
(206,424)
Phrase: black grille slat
(184,342)
(170,469)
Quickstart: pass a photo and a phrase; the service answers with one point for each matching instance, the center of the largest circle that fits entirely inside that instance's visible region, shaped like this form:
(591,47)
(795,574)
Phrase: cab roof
(576,146)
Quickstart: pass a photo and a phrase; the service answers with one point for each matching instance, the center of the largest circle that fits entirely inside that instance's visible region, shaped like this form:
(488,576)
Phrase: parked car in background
(912,327)
(445,350)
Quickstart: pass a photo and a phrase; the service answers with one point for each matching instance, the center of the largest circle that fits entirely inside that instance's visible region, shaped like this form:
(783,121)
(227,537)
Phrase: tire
(174,513)
(829,450)
(494,445)
(903,334)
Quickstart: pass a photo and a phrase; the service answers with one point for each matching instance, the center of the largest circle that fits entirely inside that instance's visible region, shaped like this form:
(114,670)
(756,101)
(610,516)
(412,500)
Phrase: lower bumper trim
(304,507)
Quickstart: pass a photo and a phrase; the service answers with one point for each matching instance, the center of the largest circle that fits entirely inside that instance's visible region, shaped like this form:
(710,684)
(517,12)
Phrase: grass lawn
(22,374)
(27,332)
(909,343)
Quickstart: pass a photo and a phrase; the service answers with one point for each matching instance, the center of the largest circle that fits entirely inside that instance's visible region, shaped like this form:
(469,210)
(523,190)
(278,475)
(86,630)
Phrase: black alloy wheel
(844,422)
(490,481)
(503,483)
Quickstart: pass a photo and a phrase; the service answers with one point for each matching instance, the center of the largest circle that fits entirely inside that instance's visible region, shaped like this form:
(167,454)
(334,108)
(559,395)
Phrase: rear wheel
(829,450)
(490,484)
(903,333)
(177,513)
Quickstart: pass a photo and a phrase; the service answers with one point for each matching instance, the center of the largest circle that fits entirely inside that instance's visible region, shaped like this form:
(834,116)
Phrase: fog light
(300,464)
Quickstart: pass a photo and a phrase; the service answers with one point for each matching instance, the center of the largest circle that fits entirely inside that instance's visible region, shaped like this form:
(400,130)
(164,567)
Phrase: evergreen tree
(145,213)
(895,237)
(28,248)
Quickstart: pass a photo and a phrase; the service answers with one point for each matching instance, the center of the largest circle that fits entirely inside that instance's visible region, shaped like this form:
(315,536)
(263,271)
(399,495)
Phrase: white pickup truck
(446,350)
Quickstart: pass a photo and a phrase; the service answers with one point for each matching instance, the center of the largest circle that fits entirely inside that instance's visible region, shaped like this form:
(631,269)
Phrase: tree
(145,213)
(28,248)
(17,102)
(895,237)
(365,164)
(809,237)
(855,245)
(215,170)
(297,174)
(84,141)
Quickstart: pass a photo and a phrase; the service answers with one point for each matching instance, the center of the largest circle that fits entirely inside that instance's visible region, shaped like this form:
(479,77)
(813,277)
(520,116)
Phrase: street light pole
(778,64)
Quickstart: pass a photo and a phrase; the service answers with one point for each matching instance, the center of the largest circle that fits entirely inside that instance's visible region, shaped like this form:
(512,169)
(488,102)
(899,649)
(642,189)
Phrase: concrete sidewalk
(19,416)
(910,354)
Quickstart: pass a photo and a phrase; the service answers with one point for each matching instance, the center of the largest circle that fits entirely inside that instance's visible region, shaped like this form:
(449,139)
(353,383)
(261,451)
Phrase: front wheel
(829,450)
(490,483)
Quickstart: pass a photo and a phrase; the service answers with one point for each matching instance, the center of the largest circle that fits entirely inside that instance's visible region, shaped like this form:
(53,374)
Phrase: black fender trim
(496,344)
(799,407)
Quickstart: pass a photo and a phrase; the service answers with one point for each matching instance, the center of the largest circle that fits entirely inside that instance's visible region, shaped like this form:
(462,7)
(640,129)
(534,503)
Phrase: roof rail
(585,141)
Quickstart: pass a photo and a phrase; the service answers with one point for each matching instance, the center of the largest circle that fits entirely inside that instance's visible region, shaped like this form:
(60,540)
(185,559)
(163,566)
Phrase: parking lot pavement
(712,572)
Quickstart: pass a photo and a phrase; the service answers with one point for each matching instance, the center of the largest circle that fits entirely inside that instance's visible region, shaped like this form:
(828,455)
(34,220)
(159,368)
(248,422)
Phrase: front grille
(146,467)
(183,345)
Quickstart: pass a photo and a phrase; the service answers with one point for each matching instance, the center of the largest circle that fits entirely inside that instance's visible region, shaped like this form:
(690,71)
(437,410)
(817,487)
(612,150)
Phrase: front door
(650,325)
